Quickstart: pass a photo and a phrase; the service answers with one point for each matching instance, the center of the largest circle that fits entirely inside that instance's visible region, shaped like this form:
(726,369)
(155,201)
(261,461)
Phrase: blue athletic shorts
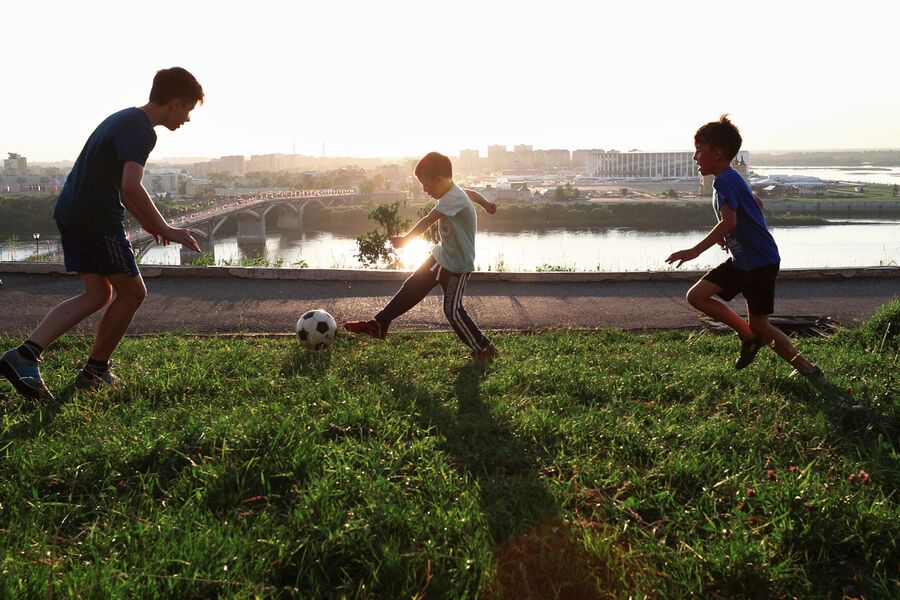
(100,254)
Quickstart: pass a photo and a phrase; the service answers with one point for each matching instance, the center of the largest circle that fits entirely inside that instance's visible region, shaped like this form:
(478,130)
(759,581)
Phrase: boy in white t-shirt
(450,263)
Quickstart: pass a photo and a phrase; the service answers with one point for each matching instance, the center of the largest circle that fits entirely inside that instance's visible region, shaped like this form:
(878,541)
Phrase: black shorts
(757,285)
(100,254)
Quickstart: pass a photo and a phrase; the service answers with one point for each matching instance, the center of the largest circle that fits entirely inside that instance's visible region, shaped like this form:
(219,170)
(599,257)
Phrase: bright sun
(414,253)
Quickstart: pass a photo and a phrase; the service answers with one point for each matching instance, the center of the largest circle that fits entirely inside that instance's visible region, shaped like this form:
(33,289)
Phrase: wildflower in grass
(751,492)
(770,474)
(864,477)
(794,469)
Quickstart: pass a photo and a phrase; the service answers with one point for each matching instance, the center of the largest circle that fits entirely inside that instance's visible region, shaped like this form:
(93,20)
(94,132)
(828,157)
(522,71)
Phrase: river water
(847,243)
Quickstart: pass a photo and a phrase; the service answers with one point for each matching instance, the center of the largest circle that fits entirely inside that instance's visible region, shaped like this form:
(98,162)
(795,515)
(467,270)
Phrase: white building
(16,164)
(161,182)
(644,165)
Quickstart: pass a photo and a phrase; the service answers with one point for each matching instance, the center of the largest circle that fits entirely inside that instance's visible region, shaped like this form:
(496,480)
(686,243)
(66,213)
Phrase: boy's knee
(98,297)
(133,295)
(695,297)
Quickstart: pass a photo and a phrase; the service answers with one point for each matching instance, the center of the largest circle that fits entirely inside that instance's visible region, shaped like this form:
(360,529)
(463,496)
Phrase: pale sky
(401,78)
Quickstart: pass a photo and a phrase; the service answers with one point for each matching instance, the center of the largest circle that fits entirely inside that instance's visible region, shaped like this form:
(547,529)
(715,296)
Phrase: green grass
(577,465)
(873,192)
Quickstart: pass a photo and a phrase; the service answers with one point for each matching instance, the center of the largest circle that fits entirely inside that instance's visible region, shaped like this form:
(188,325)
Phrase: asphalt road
(232,305)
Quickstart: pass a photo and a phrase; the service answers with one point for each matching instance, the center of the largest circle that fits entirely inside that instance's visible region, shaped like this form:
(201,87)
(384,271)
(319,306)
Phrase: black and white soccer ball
(316,329)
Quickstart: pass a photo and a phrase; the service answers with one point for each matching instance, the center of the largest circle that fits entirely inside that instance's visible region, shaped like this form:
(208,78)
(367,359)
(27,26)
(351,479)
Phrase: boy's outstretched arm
(424,223)
(724,227)
(480,200)
(139,204)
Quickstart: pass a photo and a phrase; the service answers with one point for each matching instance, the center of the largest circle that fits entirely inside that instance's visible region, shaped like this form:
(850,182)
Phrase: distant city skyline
(401,79)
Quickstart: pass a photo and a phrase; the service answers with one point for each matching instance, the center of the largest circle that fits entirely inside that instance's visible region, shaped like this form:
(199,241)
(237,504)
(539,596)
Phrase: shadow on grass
(537,553)
(871,436)
(307,363)
(41,415)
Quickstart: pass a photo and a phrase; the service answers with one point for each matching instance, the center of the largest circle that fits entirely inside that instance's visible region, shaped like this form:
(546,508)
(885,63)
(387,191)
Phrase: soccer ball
(316,329)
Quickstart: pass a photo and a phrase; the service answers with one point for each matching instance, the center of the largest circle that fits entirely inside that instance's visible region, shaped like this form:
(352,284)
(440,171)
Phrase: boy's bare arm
(424,223)
(481,201)
(139,204)
(718,233)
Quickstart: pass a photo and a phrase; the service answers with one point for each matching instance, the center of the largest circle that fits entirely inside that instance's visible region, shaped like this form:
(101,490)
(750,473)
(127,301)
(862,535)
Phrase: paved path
(236,305)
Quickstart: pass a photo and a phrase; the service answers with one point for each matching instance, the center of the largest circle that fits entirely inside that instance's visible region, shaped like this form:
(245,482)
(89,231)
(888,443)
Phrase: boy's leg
(130,294)
(454,286)
(69,313)
(700,297)
(413,290)
(21,366)
(780,343)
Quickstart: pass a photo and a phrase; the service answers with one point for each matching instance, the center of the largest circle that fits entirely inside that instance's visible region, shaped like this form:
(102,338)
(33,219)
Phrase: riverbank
(34,215)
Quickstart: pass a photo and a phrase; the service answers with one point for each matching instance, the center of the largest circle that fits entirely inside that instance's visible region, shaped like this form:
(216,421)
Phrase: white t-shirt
(456,252)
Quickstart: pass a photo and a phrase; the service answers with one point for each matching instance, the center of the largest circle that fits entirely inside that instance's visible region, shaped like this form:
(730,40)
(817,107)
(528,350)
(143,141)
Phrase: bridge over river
(250,211)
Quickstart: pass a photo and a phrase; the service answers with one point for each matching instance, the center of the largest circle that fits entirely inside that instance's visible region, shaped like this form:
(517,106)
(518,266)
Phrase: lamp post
(37,250)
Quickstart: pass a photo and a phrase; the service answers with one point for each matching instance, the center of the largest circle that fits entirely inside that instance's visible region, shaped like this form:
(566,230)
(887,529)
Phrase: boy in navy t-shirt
(754,261)
(90,213)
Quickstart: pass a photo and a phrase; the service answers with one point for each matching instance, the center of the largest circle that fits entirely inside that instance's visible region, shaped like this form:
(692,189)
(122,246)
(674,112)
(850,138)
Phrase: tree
(366,188)
(559,194)
(896,190)
(374,246)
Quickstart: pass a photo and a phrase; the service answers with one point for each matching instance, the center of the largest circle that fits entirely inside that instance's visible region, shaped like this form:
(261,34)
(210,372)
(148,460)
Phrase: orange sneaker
(370,328)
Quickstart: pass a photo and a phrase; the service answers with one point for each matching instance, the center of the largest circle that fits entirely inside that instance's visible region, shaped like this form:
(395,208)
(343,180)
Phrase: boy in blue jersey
(451,261)
(754,261)
(90,212)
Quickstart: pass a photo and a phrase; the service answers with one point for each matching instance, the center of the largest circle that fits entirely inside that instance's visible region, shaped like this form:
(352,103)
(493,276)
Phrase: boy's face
(708,159)
(434,186)
(178,112)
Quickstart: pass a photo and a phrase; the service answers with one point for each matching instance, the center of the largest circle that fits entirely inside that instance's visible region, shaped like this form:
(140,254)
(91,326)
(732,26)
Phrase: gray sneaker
(816,377)
(24,374)
(88,380)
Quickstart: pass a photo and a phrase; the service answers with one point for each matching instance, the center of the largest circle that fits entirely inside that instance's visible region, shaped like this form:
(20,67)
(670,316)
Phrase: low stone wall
(151,271)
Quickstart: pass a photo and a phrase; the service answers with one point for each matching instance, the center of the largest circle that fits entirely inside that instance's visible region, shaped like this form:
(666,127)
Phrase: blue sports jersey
(91,200)
(750,243)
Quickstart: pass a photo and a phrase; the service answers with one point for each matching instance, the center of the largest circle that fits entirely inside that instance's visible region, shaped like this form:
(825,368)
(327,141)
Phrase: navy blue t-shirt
(91,200)
(750,243)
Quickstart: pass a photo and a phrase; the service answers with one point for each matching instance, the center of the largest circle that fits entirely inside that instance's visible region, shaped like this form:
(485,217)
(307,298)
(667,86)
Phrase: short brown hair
(434,164)
(169,84)
(720,134)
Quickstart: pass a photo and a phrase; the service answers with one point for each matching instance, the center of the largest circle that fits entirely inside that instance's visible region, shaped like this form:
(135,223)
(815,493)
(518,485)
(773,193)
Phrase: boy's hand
(398,241)
(181,236)
(682,256)
(490,207)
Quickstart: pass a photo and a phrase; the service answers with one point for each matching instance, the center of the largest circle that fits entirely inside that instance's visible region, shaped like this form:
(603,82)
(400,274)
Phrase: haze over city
(349,78)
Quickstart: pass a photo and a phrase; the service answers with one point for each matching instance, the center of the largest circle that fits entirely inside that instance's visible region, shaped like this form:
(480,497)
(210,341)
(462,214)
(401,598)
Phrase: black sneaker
(88,379)
(24,374)
(749,348)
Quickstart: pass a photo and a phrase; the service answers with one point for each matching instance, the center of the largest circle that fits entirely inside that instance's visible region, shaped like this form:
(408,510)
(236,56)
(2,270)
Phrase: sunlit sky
(400,78)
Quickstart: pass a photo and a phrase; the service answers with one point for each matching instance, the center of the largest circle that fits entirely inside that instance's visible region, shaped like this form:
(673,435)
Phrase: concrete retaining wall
(150,271)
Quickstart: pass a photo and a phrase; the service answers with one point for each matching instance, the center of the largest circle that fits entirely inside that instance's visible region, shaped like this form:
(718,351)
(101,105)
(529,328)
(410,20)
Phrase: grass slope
(578,465)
